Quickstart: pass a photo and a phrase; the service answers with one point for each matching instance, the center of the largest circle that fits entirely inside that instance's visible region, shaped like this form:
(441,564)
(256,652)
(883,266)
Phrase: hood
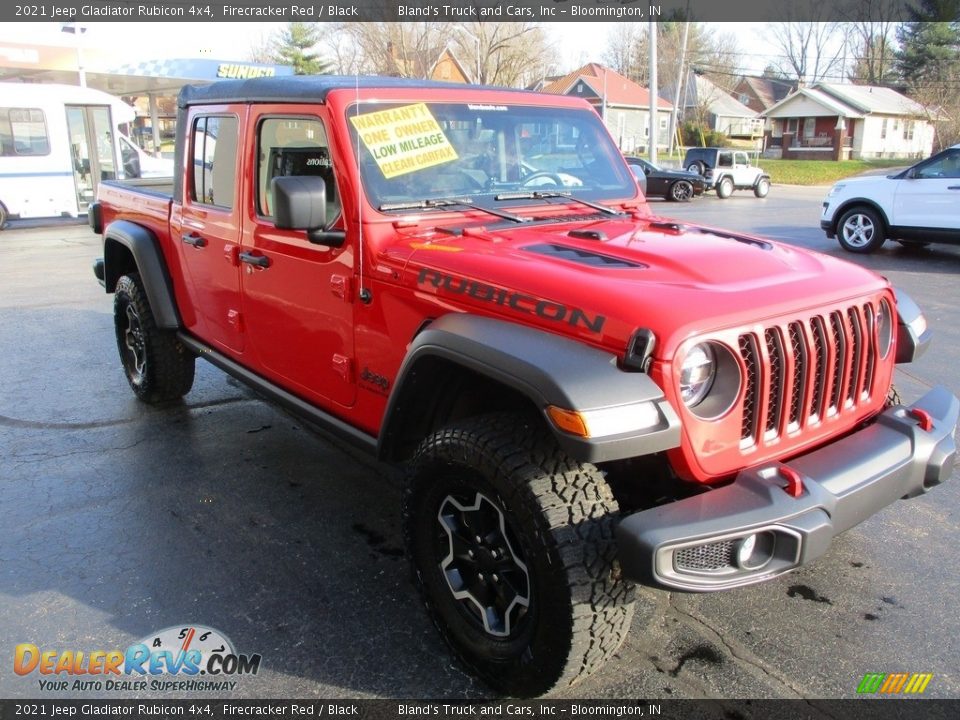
(603,280)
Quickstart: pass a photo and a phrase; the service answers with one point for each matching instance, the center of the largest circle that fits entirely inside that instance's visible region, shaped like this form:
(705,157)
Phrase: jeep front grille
(806,370)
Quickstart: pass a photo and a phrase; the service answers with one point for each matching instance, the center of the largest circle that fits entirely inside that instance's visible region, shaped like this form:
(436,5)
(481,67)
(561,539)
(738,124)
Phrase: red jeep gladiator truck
(468,282)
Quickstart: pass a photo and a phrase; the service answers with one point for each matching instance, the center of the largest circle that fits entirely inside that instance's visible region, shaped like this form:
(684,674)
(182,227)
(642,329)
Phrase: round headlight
(696,374)
(884,328)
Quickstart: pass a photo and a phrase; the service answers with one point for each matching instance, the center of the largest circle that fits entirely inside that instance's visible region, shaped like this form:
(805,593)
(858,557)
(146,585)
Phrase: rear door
(297,296)
(208,233)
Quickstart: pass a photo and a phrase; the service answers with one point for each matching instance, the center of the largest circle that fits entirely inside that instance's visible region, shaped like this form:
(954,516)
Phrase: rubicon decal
(179,651)
(527,304)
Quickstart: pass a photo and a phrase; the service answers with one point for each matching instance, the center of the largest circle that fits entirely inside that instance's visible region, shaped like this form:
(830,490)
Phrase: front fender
(549,370)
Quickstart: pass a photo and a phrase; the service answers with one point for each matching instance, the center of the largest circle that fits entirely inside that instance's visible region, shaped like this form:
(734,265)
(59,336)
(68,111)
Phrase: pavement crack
(741,654)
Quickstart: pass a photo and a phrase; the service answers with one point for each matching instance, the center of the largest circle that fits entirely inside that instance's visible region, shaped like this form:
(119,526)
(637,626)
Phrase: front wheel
(157,365)
(512,548)
(860,230)
(762,188)
(681,191)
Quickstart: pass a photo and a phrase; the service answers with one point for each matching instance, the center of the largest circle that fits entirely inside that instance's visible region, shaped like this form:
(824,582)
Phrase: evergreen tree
(930,44)
(293,47)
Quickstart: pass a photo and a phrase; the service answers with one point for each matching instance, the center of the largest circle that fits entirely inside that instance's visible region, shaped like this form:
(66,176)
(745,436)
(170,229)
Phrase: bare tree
(627,52)
(511,53)
(810,51)
(873,42)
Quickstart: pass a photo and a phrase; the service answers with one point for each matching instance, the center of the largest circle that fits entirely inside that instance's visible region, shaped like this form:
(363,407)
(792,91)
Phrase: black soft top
(302,88)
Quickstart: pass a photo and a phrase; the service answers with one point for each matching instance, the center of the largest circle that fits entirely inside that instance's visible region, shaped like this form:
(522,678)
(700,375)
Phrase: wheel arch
(854,202)
(128,247)
(532,370)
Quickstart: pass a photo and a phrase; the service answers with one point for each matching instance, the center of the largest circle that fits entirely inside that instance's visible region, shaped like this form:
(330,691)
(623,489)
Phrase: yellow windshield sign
(404,139)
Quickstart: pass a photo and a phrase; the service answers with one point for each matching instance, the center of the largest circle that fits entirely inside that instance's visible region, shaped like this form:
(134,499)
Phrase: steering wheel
(542,175)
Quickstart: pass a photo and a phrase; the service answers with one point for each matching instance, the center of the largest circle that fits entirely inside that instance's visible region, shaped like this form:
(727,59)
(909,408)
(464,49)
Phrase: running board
(277,394)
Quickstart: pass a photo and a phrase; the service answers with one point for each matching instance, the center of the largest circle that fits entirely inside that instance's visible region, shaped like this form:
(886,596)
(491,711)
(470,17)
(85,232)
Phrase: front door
(92,150)
(931,197)
(297,296)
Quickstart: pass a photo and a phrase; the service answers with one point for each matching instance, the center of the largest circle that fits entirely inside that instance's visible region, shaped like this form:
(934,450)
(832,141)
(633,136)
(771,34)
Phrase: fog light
(755,550)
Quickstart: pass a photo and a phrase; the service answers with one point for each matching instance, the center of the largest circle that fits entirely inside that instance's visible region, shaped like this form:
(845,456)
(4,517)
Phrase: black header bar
(455,10)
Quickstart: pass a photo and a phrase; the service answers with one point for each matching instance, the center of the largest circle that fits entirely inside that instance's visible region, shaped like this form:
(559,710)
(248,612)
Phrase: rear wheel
(512,548)
(157,365)
(860,230)
(3,216)
(725,188)
(681,191)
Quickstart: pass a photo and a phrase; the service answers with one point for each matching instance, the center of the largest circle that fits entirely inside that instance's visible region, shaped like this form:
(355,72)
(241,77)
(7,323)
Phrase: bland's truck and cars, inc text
(469,283)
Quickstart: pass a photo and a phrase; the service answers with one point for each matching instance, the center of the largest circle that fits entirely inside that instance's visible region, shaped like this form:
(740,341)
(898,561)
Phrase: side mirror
(300,203)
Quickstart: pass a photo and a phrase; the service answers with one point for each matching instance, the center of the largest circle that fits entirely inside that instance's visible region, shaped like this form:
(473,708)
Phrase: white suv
(917,206)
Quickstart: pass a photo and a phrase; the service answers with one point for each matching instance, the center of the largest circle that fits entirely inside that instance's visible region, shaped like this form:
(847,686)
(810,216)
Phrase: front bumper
(698,544)
(827,227)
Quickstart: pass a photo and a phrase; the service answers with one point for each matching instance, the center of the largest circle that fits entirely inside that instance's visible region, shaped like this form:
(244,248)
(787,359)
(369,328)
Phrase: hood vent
(583,257)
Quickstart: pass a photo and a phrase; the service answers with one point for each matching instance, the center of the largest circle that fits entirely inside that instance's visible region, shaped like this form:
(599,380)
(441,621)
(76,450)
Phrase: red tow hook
(794,486)
(922,417)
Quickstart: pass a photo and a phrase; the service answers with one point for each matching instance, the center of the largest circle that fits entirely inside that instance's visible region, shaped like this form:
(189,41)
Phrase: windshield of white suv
(431,151)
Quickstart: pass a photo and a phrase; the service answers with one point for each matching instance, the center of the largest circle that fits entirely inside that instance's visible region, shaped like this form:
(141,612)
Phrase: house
(761,93)
(623,104)
(710,106)
(434,64)
(840,122)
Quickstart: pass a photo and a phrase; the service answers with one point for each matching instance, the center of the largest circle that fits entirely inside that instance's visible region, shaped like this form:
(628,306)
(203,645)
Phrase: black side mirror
(300,203)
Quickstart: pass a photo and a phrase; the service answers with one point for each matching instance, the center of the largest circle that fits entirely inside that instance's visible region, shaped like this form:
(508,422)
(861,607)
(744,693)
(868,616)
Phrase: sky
(581,42)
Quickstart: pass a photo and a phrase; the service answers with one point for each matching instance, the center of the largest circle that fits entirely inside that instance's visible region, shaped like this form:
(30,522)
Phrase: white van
(57,142)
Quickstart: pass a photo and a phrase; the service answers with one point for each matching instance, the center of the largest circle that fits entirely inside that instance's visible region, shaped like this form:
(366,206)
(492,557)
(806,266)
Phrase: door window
(946,166)
(215,160)
(291,146)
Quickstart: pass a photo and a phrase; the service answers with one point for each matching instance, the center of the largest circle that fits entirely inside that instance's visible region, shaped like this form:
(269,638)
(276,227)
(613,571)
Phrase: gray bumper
(698,544)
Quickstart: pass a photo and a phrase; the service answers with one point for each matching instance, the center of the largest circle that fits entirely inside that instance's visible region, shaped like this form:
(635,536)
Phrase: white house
(835,121)
(707,104)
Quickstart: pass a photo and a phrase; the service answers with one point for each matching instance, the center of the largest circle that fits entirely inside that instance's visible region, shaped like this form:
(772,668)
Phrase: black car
(678,185)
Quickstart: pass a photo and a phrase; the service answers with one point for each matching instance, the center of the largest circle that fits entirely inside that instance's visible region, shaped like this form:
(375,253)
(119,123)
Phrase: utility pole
(681,84)
(654,124)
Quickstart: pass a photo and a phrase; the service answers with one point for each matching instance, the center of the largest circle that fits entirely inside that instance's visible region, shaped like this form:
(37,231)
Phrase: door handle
(195,240)
(954,187)
(258,260)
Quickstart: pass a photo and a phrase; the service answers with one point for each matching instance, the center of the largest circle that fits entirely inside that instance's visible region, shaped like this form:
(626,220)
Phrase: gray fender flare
(549,370)
(145,249)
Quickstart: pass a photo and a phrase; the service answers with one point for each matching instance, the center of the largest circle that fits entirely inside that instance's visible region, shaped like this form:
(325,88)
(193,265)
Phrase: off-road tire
(681,191)
(861,230)
(561,515)
(725,188)
(762,188)
(4,215)
(697,167)
(161,368)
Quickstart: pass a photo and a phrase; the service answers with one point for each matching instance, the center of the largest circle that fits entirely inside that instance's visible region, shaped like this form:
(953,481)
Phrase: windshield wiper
(445,203)
(554,194)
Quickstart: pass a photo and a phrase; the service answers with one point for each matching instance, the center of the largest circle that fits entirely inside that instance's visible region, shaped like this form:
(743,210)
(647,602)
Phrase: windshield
(427,151)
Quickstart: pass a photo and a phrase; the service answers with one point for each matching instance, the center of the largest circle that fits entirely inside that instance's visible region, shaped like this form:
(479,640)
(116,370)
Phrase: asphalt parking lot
(120,520)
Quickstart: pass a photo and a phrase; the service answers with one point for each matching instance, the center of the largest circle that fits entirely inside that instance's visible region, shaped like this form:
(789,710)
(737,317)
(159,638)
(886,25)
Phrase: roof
(769,91)
(852,101)
(300,88)
(619,90)
(873,99)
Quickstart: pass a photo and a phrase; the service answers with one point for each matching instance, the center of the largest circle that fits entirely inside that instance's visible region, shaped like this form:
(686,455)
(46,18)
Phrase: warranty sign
(404,139)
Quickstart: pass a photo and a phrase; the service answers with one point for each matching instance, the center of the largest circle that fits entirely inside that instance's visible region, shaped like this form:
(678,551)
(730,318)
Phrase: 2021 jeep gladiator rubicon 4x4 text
(468,282)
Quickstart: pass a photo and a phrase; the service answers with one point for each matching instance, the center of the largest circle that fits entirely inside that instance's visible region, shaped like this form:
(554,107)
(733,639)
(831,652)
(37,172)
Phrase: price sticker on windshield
(404,140)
